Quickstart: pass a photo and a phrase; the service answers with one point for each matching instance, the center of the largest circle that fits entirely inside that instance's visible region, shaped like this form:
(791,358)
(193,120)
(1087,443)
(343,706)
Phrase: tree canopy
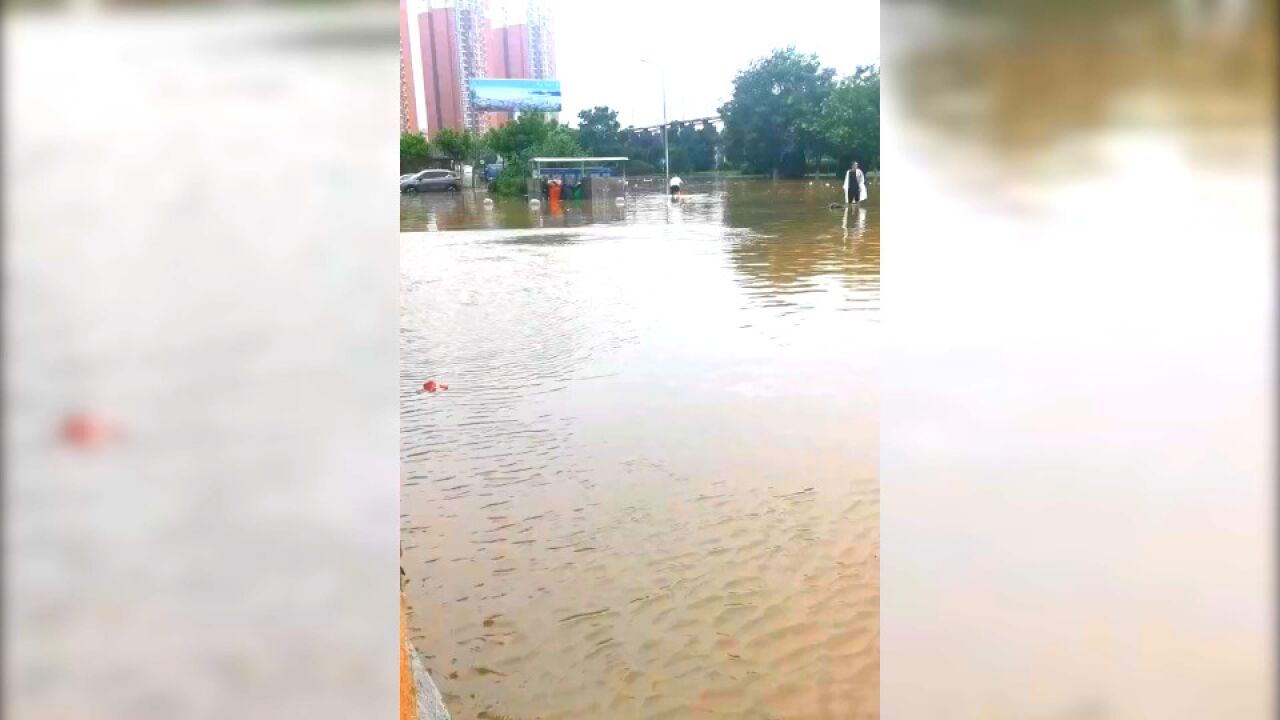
(598,131)
(455,144)
(414,145)
(850,119)
(771,120)
(517,138)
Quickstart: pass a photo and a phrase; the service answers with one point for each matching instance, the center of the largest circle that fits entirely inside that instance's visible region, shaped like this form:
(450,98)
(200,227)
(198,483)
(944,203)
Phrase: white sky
(701,43)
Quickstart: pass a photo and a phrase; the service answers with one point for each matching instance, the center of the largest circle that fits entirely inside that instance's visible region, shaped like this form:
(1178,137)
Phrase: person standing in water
(855,184)
(676,185)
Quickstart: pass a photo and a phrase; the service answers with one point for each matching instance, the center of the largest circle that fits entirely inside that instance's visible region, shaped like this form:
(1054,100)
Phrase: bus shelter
(594,177)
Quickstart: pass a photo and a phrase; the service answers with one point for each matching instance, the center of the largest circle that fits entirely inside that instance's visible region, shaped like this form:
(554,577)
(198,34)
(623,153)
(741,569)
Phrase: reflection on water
(651,489)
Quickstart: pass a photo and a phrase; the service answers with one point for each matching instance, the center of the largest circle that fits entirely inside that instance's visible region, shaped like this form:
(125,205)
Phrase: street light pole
(666,150)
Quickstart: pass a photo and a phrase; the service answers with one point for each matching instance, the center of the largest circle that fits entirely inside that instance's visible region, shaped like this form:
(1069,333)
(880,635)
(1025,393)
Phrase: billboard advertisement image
(518,95)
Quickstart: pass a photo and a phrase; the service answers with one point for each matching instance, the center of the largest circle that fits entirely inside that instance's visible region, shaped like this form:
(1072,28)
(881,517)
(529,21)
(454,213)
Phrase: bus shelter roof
(578,159)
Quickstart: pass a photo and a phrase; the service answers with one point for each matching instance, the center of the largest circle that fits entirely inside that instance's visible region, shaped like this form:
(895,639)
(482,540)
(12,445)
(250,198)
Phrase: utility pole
(666,150)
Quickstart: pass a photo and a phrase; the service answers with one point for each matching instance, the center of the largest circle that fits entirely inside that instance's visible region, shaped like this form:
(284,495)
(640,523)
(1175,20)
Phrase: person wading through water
(855,184)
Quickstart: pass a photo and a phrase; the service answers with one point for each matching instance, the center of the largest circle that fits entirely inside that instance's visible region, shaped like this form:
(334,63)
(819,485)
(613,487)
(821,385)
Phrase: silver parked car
(429,180)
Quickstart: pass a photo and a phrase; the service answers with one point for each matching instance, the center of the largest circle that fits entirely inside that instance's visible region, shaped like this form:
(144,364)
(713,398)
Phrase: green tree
(529,136)
(414,145)
(849,122)
(481,151)
(679,159)
(642,146)
(599,131)
(709,145)
(464,146)
(457,145)
(519,136)
(770,123)
(559,142)
(697,146)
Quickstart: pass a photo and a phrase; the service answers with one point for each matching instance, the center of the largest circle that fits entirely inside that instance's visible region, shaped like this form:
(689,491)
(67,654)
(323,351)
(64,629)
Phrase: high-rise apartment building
(472,25)
(446,43)
(542,57)
(443,83)
(408,98)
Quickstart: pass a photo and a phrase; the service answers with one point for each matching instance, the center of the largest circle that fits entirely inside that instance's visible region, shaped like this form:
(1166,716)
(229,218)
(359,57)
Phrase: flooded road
(651,488)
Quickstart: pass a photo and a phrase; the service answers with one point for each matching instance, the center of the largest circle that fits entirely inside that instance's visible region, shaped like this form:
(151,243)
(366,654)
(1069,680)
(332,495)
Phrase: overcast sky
(701,43)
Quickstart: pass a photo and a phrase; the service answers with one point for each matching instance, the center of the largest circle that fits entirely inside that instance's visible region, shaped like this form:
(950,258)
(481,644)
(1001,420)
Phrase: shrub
(512,180)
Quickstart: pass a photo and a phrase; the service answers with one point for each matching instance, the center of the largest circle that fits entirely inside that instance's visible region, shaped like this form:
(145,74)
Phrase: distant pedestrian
(676,185)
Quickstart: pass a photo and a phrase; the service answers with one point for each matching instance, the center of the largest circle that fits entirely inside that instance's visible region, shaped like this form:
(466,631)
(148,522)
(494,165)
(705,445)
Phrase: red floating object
(84,431)
(444,387)
(429,386)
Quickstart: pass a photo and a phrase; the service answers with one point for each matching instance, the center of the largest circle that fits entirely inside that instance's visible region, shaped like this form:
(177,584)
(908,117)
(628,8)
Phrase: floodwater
(651,488)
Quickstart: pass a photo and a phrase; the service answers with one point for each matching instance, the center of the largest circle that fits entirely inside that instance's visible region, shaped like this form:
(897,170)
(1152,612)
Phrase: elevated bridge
(697,123)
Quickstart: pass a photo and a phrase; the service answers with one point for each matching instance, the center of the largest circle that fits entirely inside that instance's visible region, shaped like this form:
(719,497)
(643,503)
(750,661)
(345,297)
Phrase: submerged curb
(430,703)
(419,697)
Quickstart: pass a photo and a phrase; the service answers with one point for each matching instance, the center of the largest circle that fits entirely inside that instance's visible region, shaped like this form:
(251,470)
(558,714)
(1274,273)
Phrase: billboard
(507,95)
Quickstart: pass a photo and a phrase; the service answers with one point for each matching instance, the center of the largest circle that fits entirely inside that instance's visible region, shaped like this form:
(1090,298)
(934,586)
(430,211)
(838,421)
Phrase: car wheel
(411,189)
(454,188)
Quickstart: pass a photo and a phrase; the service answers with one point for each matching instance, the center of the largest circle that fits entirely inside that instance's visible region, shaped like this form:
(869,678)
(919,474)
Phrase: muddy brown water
(651,488)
